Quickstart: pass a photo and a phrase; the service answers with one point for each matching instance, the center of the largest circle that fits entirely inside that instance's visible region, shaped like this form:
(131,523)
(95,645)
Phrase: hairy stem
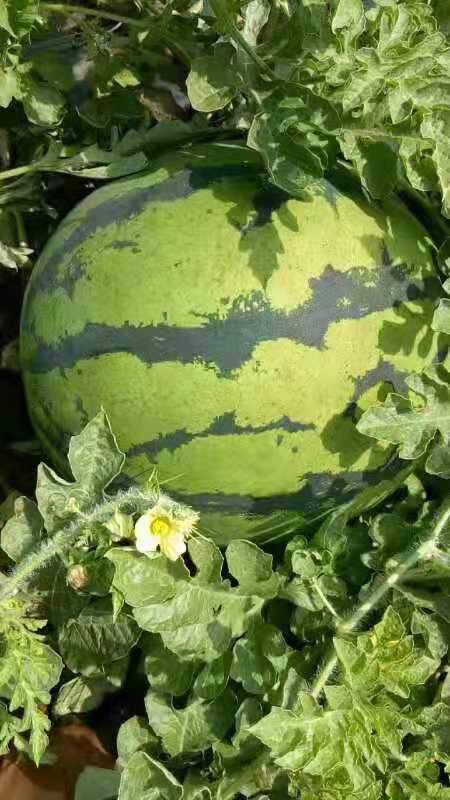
(324,599)
(348,626)
(65,538)
(221,11)
(68,8)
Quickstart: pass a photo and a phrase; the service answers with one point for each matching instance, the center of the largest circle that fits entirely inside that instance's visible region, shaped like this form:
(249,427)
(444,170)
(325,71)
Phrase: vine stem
(68,8)
(424,550)
(6,174)
(221,11)
(61,541)
(324,599)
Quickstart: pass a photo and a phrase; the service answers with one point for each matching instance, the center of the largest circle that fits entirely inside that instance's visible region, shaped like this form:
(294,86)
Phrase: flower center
(160,526)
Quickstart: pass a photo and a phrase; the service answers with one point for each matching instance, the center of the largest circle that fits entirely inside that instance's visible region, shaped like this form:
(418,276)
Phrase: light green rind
(223,431)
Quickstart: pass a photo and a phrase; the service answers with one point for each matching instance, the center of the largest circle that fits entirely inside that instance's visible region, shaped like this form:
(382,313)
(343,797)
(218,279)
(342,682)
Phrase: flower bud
(77,577)
(121,526)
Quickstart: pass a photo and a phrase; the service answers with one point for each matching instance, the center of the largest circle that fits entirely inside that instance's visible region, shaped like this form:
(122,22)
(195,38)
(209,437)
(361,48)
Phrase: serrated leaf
(95,460)
(18,17)
(333,749)
(127,77)
(207,558)
(213,678)
(199,620)
(194,728)
(94,456)
(294,135)
(441,318)
(292,165)
(9,84)
(432,631)
(257,13)
(376,163)
(29,669)
(388,657)
(436,126)
(248,779)
(417,779)
(14,258)
(79,696)
(349,19)
(5,23)
(399,422)
(195,787)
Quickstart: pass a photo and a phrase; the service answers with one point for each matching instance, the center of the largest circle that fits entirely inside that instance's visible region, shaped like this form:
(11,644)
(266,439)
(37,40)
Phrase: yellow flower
(161,528)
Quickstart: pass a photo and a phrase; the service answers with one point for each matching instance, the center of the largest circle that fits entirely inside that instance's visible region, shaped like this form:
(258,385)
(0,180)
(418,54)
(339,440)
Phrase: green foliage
(95,461)
(194,728)
(419,424)
(196,618)
(96,783)
(95,640)
(22,532)
(29,669)
(67,521)
(311,84)
(145,777)
(320,672)
(320,80)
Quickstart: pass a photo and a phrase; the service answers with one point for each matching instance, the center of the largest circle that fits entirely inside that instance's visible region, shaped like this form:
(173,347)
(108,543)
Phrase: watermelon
(232,333)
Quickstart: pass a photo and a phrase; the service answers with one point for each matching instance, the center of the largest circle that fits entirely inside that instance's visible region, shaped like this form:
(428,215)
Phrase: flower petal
(142,526)
(147,543)
(173,545)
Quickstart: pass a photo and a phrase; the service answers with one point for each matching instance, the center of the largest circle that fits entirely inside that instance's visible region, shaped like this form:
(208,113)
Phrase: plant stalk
(410,561)
(221,11)
(68,8)
(61,541)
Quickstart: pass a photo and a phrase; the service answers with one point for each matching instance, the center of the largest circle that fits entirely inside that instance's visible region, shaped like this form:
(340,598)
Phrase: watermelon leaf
(97,783)
(441,319)
(145,777)
(95,460)
(23,531)
(135,735)
(199,621)
(94,456)
(29,670)
(211,83)
(259,658)
(94,639)
(166,672)
(194,728)
(415,425)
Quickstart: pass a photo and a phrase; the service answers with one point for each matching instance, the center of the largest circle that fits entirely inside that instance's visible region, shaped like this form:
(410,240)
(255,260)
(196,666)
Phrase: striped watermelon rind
(232,333)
